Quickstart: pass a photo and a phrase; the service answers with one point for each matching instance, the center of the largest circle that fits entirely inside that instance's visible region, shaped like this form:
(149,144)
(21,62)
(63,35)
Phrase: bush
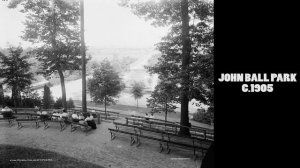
(58,103)
(70,103)
(47,98)
(203,116)
(30,102)
(7,101)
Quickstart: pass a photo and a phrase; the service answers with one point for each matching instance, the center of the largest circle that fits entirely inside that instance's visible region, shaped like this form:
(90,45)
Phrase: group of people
(6,112)
(87,120)
(147,116)
(64,116)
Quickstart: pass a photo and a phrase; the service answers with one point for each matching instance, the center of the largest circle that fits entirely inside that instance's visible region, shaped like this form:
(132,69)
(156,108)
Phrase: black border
(256,129)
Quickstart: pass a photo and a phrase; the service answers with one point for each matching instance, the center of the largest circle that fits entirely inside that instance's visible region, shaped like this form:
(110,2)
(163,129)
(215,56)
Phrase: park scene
(106,83)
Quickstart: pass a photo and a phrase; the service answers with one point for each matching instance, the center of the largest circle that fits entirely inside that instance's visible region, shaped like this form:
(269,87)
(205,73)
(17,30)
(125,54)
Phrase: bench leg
(37,124)
(132,140)
(62,126)
(46,125)
(72,128)
(195,157)
(161,147)
(168,149)
(138,141)
(20,125)
(10,123)
(112,135)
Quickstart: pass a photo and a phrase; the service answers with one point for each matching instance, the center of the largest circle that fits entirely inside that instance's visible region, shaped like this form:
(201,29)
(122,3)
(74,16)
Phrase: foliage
(58,103)
(26,102)
(169,66)
(203,116)
(7,101)
(163,97)
(70,103)
(105,85)
(1,93)
(48,100)
(15,71)
(31,102)
(54,26)
(137,90)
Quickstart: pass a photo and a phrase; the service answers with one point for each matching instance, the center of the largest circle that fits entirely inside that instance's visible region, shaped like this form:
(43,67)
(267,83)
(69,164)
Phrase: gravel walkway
(96,147)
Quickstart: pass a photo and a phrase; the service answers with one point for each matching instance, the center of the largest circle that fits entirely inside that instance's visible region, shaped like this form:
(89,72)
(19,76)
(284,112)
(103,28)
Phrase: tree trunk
(186,46)
(82,51)
(15,95)
(137,104)
(1,95)
(105,107)
(63,89)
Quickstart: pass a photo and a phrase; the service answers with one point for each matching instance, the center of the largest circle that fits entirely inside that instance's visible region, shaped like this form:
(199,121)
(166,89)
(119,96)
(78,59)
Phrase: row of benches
(170,122)
(170,127)
(138,132)
(35,118)
(109,115)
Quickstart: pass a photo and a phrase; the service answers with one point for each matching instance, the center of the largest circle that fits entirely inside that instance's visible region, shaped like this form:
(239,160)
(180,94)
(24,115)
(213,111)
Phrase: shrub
(47,98)
(58,103)
(204,116)
(30,102)
(7,101)
(70,103)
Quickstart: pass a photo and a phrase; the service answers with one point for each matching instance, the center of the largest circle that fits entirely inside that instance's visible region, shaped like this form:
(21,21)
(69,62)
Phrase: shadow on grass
(18,156)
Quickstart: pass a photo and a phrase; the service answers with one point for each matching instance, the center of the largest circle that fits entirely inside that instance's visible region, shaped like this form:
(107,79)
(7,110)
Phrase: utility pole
(82,51)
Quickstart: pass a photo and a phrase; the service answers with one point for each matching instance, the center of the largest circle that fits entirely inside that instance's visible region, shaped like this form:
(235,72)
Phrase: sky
(106,25)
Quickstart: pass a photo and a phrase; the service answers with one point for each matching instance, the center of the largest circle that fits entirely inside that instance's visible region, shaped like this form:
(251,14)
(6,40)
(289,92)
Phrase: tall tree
(54,26)
(15,70)
(82,52)
(137,91)
(47,98)
(163,98)
(187,50)
(106,85)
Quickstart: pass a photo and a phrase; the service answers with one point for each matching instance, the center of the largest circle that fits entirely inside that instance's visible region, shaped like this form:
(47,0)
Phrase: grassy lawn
(17,156)
(114,107)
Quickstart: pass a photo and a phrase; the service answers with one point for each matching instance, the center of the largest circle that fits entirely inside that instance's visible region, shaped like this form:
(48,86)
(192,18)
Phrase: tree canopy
(54,27)
(186,51)
(201,36)
(137,89)
(105,85)
(15,71)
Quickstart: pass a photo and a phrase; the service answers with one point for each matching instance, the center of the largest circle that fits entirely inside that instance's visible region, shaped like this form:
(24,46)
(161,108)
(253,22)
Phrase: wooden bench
(169,127)
(62,123)
(110,115)
(27,120)
(10,120)
(163,137)
(75,125)
(113,135)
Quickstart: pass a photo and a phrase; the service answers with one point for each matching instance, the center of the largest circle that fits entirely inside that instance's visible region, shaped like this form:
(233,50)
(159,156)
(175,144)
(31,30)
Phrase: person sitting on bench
(151,116)
(55,115)
(90,121)
(75,117)
(7,112)
(82,120)
(38,113)
(44,116)
(147,116)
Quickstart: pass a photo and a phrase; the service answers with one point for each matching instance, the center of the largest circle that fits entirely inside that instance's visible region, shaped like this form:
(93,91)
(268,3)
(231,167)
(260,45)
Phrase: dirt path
(96,147)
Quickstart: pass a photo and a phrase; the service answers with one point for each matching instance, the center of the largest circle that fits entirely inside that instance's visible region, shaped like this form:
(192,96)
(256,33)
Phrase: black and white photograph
(110,83)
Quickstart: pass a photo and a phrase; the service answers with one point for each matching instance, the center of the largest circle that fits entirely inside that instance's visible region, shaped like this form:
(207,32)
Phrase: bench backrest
(174,127)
